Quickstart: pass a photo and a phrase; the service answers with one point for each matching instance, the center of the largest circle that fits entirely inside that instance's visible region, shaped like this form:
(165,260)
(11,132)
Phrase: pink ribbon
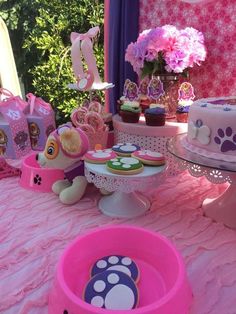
(10,97)
(36,101)
(82,45)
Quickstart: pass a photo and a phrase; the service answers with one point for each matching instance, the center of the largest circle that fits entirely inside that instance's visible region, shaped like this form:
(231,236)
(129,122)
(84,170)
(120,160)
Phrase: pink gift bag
(14,135)
(41,121)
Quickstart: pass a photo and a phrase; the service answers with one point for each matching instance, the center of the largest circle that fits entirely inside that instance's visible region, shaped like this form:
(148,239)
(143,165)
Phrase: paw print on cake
(116,262)
(226,140)
(37,180)
(112,290)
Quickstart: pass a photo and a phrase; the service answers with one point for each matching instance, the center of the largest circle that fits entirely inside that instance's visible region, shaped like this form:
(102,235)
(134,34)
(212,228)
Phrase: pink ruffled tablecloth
(36,228)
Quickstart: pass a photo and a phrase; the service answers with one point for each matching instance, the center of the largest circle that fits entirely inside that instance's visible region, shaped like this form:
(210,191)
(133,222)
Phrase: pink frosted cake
(212,128)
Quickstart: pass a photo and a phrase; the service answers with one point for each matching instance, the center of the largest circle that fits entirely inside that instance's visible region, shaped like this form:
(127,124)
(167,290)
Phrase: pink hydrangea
(179,49)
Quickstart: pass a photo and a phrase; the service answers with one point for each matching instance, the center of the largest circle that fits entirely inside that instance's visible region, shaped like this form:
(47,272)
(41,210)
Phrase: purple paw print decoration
(226,139)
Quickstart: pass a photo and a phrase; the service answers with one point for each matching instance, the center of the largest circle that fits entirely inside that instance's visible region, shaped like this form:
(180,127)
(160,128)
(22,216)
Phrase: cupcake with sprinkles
(130,110)
(186,97)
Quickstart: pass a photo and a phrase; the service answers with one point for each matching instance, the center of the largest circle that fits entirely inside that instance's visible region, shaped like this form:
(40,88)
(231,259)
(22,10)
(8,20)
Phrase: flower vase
(171,85)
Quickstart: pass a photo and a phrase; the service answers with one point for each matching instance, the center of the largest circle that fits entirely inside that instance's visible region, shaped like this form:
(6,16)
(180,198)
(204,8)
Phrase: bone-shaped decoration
(199,132)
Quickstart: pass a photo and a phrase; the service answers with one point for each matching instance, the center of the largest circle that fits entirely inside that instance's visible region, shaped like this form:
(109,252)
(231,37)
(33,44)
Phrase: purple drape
(123,28)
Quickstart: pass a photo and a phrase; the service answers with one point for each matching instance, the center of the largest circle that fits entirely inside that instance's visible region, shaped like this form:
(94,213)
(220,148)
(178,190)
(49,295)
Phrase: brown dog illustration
(3,142)
(34,134)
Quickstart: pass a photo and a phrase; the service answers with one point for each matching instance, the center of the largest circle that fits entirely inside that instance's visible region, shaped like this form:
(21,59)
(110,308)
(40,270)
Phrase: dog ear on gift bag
(64,149)
(41,121)
(14,135)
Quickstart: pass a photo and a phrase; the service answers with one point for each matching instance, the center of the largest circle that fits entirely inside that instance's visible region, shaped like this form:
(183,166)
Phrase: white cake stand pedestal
(220,209)
(126,201)
(223,208)
(95,87)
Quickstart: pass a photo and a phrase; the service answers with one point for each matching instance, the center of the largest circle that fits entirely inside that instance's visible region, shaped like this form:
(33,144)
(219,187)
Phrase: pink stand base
(223,208)
(124,205)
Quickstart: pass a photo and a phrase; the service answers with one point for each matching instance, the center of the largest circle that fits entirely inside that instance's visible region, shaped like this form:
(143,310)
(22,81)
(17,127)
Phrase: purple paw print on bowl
(226,139)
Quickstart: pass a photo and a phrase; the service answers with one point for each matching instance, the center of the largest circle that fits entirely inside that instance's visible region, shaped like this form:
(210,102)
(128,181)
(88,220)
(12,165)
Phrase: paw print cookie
(112,290)
(100,156)
(116,262)
(148,157)
(125,149)
(125,165)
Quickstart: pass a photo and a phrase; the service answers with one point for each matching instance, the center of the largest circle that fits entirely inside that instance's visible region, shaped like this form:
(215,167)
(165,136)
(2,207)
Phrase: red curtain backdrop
(217,21)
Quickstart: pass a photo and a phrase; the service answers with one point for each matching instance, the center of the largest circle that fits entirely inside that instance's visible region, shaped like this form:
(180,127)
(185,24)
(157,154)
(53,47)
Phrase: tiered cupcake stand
(149,137)
(223,208)
(126,201)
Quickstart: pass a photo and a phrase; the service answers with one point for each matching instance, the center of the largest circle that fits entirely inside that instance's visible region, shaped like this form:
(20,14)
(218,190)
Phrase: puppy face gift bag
(41,121)
(14,135)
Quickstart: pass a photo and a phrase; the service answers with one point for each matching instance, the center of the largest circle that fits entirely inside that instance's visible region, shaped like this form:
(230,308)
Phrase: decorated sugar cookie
(116,262)
(125,165)
(125,149)
(112,290)
(148,157)
(99,156)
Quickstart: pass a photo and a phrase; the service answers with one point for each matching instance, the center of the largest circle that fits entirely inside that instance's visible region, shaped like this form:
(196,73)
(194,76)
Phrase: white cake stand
(94,87)
(222,208)
(126,201)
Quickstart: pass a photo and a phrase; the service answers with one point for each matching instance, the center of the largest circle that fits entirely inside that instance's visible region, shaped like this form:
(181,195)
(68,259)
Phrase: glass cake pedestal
(220,209)
(126,201)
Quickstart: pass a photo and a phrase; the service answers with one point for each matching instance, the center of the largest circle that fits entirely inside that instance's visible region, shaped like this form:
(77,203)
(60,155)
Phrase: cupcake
(144,102)
(155,105)
(155,116)
(182,111)
(130,95)
(186,96)
(130,112)
(143,94)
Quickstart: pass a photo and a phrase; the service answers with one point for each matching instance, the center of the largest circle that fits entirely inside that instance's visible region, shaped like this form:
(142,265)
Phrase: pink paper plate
(163,285)
(33,177)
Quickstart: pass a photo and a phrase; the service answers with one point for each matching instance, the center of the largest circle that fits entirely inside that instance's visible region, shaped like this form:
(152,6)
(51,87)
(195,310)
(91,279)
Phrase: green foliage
(40,34)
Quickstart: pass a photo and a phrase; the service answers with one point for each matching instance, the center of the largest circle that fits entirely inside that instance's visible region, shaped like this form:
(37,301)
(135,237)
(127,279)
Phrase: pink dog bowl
(35,178)
(163,285)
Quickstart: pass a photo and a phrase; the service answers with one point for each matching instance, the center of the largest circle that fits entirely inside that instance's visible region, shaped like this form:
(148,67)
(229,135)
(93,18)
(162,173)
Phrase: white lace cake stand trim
(125,202)
(222,208)
(206,153)
(95,86)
